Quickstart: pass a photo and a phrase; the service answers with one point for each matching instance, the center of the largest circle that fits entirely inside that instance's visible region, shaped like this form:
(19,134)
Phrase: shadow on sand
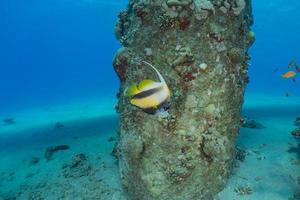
(51,134)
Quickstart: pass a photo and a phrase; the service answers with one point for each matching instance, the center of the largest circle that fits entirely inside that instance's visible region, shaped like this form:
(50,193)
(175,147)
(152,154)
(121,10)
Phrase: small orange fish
(288,74)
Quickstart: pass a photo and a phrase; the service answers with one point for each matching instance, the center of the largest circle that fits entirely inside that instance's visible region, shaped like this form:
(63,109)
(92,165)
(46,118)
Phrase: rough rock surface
(188,154)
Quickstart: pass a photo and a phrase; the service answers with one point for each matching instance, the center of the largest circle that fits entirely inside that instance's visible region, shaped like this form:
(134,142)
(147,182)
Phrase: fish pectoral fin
(132,90)
(145,83)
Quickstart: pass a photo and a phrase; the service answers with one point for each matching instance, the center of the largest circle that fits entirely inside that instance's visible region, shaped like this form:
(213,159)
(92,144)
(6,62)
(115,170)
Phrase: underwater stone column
(200,48)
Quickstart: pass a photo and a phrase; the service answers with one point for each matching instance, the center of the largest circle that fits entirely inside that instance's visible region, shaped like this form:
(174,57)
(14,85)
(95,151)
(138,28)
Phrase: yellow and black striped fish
(150,95)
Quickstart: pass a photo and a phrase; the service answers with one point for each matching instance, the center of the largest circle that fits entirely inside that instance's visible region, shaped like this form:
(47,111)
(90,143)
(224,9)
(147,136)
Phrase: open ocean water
(58,91)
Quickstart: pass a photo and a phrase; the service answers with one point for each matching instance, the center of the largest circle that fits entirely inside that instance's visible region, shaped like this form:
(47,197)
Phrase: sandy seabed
(31,167)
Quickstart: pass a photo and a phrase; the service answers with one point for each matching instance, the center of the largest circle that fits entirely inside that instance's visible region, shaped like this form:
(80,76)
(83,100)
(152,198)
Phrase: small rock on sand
(51,150)
(34,161)
(111,139)
(251,123)
(296,132)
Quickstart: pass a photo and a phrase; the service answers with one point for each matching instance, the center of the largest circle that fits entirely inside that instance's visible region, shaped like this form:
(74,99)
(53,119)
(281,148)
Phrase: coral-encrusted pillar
(200,47)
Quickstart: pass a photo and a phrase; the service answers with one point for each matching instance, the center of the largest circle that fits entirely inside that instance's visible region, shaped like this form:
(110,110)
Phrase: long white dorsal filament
(162,80)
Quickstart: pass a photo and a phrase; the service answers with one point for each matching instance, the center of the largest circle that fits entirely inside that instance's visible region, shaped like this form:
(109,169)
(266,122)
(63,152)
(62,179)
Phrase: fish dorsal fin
(147,84)
(162,80)
(133,90)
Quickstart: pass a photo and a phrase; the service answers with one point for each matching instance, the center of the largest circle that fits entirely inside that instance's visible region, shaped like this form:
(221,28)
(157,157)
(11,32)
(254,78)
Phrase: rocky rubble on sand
(80,178)
(243,190)
(296,131)
(79,167)
(296,149)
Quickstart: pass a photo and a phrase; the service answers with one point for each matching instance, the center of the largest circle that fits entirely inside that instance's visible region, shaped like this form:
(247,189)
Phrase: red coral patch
(184,23)
(189,76)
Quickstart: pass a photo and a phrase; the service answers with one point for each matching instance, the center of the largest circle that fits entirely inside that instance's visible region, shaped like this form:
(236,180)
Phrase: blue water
(277,27)
(59,52)
(52,51)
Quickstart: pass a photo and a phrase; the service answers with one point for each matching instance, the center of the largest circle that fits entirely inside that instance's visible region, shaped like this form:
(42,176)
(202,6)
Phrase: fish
(297,67)
(289,74)
(287,94)
(292,63)
(9,121)
(150,95)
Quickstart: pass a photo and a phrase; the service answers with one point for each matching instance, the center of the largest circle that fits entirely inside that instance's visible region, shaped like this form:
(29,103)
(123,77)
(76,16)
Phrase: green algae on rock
(200,47)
